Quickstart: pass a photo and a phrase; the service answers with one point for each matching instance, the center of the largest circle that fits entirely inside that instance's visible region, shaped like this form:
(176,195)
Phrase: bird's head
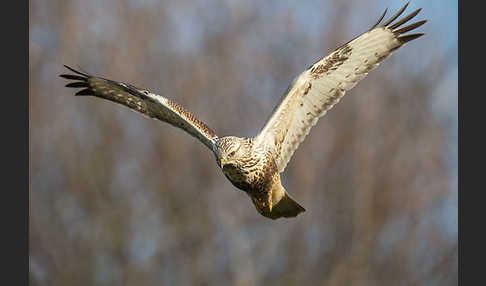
(229,150)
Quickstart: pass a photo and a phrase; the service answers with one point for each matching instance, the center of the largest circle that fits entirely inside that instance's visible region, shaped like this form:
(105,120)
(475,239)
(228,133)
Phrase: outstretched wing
(143,101)
(320,87)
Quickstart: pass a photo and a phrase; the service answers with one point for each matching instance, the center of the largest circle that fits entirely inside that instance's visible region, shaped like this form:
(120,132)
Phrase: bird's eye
(232,153)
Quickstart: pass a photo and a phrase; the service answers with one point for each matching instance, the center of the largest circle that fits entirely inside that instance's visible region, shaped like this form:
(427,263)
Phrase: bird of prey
(254,164)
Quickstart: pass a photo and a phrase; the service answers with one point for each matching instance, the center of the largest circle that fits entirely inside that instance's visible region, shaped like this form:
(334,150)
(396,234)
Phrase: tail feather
(285,207)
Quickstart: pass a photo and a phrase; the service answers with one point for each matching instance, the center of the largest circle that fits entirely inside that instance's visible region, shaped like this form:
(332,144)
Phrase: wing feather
(320,87)
(142,101)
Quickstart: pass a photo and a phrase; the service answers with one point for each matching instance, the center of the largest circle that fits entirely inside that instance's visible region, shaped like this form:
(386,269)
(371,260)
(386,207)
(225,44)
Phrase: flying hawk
(254,164)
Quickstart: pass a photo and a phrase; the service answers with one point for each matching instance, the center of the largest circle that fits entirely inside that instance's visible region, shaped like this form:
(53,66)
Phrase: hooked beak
(222,162)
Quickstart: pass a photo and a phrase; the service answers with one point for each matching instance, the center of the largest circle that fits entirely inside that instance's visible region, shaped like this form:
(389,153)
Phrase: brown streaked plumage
(254,164)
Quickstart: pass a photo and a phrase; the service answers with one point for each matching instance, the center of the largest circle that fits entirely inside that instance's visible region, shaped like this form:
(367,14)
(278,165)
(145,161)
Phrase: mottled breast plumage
(244,163)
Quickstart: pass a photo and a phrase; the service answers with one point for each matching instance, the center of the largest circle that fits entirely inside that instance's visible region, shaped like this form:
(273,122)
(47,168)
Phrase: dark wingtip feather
(396,15)
(410,27)
(85,91)
(405,19)
(408,38)
(82,70)
(394,27)
(72,77)
(81,81)
(77,84)
(379,20)
(75,71)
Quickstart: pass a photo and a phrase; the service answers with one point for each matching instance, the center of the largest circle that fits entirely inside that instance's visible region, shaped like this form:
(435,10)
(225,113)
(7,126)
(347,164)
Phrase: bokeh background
(119,199)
